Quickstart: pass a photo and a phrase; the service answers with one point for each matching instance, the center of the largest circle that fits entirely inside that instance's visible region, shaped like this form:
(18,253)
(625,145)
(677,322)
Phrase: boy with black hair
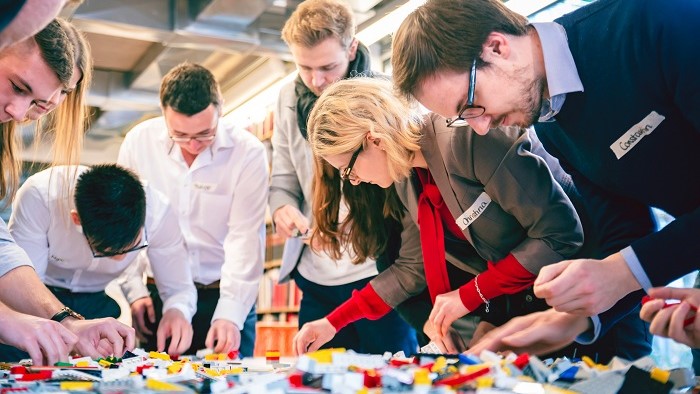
(112,216)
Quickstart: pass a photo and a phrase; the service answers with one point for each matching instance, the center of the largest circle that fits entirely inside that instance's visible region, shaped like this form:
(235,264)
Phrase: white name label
(207,187)
(472,213)
(635,134)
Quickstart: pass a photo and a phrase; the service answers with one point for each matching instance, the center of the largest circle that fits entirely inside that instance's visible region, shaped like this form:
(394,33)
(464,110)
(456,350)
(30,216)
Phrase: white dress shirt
(220,201)
(41,225)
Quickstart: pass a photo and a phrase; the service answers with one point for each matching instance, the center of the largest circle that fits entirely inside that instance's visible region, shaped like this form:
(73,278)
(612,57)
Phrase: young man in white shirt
(77,247)
(216,177)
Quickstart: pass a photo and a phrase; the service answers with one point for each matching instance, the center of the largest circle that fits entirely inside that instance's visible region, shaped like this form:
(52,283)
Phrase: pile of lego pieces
(340,371)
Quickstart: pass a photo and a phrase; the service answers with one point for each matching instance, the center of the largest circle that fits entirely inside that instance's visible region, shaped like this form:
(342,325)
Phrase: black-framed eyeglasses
(98,255)
(469,111)
(345,173)
(201,138)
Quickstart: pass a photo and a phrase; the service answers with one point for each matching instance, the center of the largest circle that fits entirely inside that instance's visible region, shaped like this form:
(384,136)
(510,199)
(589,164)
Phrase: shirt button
(528,298)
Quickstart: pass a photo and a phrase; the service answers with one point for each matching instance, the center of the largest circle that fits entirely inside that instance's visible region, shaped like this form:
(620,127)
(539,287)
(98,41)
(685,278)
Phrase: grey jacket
(292,172)
(529,213)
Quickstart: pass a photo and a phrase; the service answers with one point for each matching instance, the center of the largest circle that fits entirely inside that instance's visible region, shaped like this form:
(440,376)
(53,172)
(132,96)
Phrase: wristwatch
(64,313)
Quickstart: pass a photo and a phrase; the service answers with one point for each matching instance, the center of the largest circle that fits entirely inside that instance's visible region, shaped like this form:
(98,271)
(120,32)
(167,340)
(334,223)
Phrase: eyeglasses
(98,255)
(345,173)
(469,111)
(203,138)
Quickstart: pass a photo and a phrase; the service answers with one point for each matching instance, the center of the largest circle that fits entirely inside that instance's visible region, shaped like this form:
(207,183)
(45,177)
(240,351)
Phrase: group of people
(516,215)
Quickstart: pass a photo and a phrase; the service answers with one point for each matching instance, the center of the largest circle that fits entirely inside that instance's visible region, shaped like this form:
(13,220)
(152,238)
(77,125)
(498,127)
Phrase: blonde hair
(339,124)
(57,50)
(69,122)
(349,109)
(316,20)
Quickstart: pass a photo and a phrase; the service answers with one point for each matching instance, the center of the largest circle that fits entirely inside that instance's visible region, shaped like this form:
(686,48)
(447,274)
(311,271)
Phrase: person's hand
(450,343)
(46,341)
(287,219)
(101,337)
(140,310)
(585,287)
(537,333)
(669,322)
(223,336)
(482,329)
(448,307)
(312,336)
(173,325)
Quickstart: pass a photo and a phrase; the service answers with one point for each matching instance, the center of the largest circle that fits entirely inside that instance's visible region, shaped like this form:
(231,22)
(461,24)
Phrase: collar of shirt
(562,75)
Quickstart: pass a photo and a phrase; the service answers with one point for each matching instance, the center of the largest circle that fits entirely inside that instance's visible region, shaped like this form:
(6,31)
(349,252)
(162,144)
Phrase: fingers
(150,310)
(672,293)
(650,309)
(211,337)
(224,342)
(548,273)
(288,218)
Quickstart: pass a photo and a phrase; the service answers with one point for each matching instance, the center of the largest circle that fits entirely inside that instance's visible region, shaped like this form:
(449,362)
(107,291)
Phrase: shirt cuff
(182,308)
(232,311)
(636,267)
(134,289)
(591,335)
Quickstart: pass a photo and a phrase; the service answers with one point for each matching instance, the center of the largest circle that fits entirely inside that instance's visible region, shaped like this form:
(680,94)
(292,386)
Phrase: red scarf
(432,236)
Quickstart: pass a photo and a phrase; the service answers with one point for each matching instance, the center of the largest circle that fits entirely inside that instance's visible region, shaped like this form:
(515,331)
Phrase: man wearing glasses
(611,94)
(216,177)
(77,247)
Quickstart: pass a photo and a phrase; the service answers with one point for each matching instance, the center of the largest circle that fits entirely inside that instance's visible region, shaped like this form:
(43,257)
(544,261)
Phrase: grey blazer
(506,192)
(292,172)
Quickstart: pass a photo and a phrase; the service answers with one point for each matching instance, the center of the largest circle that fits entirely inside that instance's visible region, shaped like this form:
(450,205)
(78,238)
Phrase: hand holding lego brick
(673,320)
(447,308)
(173,325)
(312,336)
(223,336)
(290,222)
(101,337)
(450,343)
(45,340)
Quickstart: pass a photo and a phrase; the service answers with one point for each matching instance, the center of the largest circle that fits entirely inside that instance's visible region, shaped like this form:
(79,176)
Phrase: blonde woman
(492,210)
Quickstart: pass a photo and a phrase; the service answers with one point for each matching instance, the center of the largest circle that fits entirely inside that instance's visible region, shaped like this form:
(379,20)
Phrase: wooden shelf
(278,310)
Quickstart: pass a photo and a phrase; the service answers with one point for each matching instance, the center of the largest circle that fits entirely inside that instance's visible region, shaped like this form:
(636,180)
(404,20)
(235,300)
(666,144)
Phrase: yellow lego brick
(161,356)
(660,375)
(421,376)
(82,364)
(76,386)
(324,356)
(104,363)
(174,367)
(439,364)
(156,385)
(484,382)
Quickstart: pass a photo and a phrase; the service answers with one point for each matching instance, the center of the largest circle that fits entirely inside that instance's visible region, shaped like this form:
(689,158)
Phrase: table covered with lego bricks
(340,371)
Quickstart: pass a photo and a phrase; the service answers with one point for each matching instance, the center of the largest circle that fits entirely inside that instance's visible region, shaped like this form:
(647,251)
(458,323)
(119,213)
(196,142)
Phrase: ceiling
(136,42)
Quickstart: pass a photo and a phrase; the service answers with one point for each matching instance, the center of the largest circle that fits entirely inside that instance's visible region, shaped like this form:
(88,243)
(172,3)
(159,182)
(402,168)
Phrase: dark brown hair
(189,89)
(447,35)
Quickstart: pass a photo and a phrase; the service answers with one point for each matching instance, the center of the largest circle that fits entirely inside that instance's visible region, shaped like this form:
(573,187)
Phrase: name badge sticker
(474,211)
(207,187)
(635,134)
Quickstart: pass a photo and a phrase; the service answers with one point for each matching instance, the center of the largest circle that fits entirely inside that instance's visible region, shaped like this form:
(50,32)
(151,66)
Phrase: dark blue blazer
(635,57)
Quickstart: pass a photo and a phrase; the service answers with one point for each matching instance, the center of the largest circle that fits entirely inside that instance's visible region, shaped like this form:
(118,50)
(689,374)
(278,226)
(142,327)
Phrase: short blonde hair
(349,109)
(316,20)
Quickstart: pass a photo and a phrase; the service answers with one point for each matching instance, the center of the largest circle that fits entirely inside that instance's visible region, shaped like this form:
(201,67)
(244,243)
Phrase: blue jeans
(390,333)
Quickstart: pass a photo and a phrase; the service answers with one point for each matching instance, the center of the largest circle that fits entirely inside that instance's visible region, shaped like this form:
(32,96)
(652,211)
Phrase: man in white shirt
(216,177)
(77,247)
